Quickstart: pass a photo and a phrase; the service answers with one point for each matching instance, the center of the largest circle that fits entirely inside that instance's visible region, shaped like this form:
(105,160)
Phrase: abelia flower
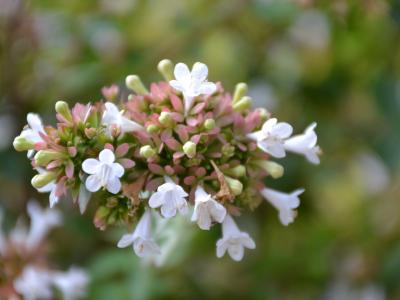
(42,220)
(34,284)
(141,239)
(32,132)
(271,137)
(104,172)
(112,116)
(284,203)
(192,83)
(233,240)
(305,144)
(184,128)
(72,283)
(171,198)
(207,210)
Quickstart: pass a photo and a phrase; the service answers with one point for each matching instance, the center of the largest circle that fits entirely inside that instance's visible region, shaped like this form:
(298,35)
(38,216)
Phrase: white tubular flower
(49,188)
(171,198)
(112,116)
(305,144)
(233,240)
(34,284)
(192,83)
(284,203)
(207,210)
(271,137)
(42,220)
(31,133)
(141,238)
(72,284)
(104,172)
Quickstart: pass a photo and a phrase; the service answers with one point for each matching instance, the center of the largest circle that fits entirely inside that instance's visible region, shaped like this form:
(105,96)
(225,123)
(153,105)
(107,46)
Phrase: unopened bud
(62,108)
(272,168)
(134,83)
(238,171)
(240,91)
(209,124)
(152,129)
(22,144)
(228,150)
(264,114)
(235,185)
(242,104)
(44,157)
(40,180)
(166,119)
(190,149)
(166,68)
(147,151)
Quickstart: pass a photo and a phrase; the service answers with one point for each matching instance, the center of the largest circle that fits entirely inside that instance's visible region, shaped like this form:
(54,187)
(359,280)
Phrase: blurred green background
(333,62)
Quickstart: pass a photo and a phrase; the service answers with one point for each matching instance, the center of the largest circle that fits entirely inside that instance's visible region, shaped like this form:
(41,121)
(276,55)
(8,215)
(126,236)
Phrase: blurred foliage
(335,62)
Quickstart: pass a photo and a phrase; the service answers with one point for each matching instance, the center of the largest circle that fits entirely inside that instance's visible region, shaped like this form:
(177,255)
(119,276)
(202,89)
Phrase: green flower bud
(190,149)
(209,124)
(238,171)
(240,91)
(40,180)
(147,151)
(264,114)
(134,83)
(166,68)
(228,150)
(166,119)
(235,185)
(243,104)
(22,144)
(62,108)
(43,157)
(272,168)
(152,129)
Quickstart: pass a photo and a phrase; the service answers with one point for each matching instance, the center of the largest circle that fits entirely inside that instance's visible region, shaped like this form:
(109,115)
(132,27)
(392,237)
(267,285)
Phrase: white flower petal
(126,240)
(199,71)
(176,85)
(113,185)
(35,122)
(118,169)
(93,183)
(90,165)
(106,156)
(207,88)
(236,252)
(129,125)
(156,200)
(182,72)
(168,209)
(283,130)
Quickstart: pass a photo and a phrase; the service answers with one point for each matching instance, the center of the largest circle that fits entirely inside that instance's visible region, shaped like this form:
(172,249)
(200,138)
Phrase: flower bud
(240,91)
(235,185)
(43,157)
(166,119)
(166,68)
(228,150)
(238,171)
(22,144)
(243,104)
(272,168)
(209,124)
(190,149)
(134,83)
(62,108)
(147,151)
(264,114)
(40,180)
(152,129)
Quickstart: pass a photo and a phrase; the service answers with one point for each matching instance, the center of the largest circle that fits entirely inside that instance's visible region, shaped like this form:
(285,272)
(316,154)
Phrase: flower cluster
(25,269)
(184,146)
